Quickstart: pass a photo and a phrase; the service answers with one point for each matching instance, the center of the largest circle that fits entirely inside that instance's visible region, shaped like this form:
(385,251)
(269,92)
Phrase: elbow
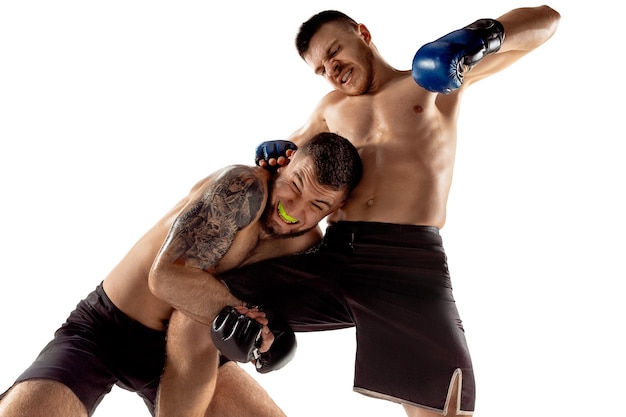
(541,27)
(158,283)
(552,18)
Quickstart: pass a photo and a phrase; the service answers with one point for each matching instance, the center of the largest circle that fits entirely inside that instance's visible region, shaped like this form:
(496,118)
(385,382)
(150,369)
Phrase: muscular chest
(399,112)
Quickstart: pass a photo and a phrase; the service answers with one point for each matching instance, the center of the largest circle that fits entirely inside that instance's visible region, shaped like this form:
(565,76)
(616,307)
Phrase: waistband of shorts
(377,228)
(382,233)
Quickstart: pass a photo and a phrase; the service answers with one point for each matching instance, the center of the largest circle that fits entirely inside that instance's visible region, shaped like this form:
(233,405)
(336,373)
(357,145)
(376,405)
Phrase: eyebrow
(329,50)
(299,178)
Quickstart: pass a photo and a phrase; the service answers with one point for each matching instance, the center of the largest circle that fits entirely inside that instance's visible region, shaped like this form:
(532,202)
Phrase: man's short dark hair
(337,161)
(309,28)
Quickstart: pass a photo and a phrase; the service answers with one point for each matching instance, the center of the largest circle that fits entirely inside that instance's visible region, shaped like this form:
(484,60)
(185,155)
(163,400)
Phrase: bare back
(127,284)
(406,137)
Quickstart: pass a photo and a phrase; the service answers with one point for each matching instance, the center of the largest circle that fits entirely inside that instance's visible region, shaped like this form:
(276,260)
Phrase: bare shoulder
(217,209)
(329,101)
(318,120)
(238,189)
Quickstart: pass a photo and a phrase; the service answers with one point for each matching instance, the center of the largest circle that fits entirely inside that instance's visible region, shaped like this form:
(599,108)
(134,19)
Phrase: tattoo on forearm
(203,233)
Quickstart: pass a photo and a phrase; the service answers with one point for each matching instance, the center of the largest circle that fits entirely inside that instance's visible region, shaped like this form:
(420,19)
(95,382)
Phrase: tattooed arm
(202,235)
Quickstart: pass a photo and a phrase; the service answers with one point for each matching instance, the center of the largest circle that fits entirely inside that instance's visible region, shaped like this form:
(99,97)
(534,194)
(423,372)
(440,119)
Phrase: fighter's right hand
(273,154)
(236,336)
(241,334)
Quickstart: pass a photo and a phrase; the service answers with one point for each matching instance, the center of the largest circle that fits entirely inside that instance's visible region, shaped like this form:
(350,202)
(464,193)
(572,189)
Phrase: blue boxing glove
(273,149)
(439,66)
(238,338)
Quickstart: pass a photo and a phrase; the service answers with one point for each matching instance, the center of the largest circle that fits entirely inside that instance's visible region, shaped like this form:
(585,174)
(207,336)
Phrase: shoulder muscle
(206,227)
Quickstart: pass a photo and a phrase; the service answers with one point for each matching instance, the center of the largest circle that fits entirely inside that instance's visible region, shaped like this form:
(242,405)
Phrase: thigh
(303,289)
(73,360)
(410,339)
(190,375)
(238,394)
(41,398)
(411,355)
(97,347)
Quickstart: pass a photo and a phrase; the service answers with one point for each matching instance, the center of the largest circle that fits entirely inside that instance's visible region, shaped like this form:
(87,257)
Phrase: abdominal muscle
(406,138)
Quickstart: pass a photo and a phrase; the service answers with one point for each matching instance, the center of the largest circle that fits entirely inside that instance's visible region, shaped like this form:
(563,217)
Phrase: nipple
(370,202)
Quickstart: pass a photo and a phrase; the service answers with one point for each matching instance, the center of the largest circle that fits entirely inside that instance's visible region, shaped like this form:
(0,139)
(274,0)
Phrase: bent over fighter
(117,334)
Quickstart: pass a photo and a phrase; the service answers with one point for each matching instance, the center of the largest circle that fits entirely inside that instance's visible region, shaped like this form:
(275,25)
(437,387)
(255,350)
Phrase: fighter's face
(297,201)
(343,57)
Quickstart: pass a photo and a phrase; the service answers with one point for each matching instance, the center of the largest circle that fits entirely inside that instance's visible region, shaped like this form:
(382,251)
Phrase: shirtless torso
(412,140)
(407,138)
(405,134)
(127,285)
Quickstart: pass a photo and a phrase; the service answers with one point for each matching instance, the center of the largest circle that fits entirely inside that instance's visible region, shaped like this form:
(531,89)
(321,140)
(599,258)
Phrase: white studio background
(111,111)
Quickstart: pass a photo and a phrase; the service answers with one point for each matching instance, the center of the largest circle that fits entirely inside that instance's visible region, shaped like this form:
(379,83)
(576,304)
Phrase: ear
(290,153)
(364,32)
(340,205)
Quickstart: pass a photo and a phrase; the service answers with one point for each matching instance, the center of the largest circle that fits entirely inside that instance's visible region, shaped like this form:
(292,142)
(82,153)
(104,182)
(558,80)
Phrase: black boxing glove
(236,336)
(282,350)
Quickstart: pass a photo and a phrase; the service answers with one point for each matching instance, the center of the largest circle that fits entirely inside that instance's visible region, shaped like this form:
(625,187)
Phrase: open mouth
(346,77)
(283,214)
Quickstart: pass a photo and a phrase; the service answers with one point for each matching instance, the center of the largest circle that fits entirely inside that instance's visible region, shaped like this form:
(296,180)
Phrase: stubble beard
(368,61)
(271,226)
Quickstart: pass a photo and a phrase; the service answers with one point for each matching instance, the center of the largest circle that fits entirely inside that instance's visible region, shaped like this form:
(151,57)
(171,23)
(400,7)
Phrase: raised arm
(525,30)
(201,236)
(482,48)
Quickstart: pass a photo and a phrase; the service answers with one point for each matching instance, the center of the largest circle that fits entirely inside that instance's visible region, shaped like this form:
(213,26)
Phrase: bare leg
(193,386)
(452,406)
(239,395)
(41,398)
(190,374)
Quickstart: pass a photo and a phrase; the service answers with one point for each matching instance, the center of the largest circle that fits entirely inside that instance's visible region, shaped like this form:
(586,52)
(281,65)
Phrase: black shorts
(392,282)
(99,346)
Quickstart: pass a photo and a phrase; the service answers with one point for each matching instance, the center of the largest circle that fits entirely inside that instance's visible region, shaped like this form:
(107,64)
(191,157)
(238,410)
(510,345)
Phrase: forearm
(182,273)
(195,292)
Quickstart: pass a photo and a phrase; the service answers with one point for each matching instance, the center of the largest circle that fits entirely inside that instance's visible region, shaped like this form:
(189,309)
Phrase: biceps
(204,231)
(493,64)
(199,243)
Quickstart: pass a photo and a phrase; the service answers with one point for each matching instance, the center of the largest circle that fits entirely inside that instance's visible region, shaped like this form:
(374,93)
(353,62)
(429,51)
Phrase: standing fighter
(381,265)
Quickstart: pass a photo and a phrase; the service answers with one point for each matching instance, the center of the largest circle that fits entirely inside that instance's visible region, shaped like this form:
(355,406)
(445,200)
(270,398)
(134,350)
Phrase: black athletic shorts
(99,346)
(392,282)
